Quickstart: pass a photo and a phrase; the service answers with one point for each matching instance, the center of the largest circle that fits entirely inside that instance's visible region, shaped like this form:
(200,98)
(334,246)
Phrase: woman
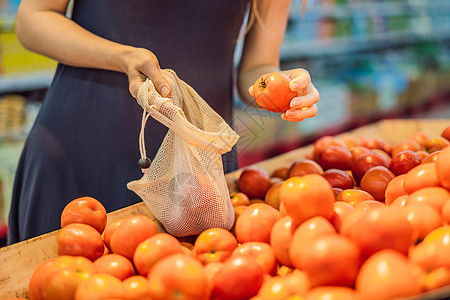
(85,139)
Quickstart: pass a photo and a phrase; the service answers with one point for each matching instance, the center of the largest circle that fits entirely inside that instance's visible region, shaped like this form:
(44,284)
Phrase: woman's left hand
(304,105)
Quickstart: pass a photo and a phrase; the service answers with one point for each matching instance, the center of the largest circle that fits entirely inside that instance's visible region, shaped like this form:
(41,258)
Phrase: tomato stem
(262,83)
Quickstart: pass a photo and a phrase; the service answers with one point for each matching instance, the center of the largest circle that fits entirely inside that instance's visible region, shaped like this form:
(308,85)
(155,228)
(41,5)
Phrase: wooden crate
(18,261)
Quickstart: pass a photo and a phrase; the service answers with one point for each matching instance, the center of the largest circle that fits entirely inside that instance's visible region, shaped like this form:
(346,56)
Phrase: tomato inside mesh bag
(185,186)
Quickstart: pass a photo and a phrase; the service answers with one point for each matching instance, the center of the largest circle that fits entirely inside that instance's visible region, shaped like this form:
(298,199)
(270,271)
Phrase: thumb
(159,81)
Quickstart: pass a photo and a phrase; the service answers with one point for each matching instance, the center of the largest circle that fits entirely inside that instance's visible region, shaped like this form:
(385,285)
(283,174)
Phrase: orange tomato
(388,228)
(137,288)
(214,245)
(394,189)
(116,265)
(446,212)
(35,283)
(388,275)
(443,167)
(400,202)
(178,276)
(354,196)
(305,234)
(437,278)
(331,293)
(273,195)
(255,223)
(130,233)
(423,217)
(62,283)
(420,177)
(154,248)
(79,239)
(433,251)
(261,252)
(110,228)
(433,196)
(86,210)
(239,199)
(342,210)
(275,288)
(240,277)
(336,254)
(100,287)
(306,197)
(280,239)
(272,92)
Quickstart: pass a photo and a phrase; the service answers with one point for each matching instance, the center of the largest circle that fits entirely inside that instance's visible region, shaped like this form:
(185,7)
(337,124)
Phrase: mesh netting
(185,186)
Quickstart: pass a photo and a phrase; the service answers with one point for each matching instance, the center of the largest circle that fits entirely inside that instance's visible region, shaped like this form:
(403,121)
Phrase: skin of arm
(261,53)
(43,27)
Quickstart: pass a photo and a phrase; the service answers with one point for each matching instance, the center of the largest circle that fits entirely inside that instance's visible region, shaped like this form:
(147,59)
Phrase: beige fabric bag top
(185,186)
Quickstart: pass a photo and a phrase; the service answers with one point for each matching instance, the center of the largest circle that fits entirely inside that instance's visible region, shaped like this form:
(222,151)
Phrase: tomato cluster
(358,218)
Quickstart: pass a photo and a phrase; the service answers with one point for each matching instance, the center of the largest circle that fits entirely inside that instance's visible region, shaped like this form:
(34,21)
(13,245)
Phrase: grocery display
(281,241)
(351,204)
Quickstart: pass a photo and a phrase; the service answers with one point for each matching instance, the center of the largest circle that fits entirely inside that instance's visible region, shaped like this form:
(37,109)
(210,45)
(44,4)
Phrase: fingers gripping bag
(185,186)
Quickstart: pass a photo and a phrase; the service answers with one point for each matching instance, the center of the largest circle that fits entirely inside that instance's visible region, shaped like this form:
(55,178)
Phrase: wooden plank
(19,261)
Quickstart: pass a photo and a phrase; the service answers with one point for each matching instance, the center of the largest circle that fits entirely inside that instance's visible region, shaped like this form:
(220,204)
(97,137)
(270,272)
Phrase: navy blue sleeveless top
(85,139)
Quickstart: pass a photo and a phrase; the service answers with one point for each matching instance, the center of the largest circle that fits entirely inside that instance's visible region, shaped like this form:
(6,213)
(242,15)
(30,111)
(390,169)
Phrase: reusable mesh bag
(185,186)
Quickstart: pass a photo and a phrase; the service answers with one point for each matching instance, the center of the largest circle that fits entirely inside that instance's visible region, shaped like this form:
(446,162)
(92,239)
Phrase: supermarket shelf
(25,82)
(385,9)
(316,48)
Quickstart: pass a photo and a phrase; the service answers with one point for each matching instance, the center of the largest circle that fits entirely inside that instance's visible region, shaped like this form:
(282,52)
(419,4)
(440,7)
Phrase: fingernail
(290,113)
(164,91)
(295,103)
(294,86)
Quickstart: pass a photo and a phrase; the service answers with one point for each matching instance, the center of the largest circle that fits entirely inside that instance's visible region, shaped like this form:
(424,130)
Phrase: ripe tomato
(214,245)
(331,293)
(262,253)
(62,283)
(305,234)
(130,233)
(433,251)
(423,217)
(443,167)
(151,250)
(256,222)
(137,288)
(110,227)
(272,92)
(100,287)
(394,189)
(178,276)
(116,265)
(388,275)
(435,196)
(388,228)
(419,177)
(240,277)
(307,196)
(280,239)
(375,181)
(79,239)
(86,210)
(336,254)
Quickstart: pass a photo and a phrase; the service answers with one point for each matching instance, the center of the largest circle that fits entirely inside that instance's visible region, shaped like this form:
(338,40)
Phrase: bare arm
(42,27)
(261,54)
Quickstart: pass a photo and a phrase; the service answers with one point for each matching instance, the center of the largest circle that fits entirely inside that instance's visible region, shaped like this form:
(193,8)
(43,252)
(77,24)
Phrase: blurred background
(369,59)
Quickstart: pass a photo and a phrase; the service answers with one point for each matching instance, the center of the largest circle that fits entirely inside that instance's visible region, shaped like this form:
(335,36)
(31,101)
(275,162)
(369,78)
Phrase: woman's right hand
(140,64)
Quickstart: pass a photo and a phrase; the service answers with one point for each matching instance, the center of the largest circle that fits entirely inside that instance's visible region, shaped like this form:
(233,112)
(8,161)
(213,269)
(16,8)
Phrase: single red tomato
(240,277)
(85,210)
(79,239)
(261,252)
(116,265)
(272,92)
(130,233)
